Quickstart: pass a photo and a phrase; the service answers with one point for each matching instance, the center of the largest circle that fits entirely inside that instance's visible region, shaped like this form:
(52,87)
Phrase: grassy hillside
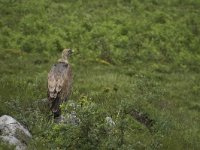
(137,61)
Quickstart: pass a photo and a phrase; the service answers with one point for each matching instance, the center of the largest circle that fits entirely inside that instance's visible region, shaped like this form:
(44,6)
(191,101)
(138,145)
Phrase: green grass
(170,99)
(131,56)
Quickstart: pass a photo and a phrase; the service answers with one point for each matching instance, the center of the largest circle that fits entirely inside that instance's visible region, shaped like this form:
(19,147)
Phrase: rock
(71,117)
(13,132)
(68,118)
(110,122)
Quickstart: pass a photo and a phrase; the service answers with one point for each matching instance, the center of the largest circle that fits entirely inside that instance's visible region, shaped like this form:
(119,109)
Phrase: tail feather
(55,106)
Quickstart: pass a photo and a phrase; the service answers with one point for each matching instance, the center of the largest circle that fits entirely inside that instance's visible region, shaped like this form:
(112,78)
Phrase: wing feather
(57,79)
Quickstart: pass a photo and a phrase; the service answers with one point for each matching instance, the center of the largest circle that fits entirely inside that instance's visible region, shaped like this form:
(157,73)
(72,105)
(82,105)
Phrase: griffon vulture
(59,82)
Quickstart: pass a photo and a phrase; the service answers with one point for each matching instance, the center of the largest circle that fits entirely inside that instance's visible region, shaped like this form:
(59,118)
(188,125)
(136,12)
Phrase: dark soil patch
(142,118)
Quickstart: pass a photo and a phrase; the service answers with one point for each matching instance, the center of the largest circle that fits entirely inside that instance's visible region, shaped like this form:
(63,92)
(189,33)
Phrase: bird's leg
(57,113)
(58,118)
(55,107)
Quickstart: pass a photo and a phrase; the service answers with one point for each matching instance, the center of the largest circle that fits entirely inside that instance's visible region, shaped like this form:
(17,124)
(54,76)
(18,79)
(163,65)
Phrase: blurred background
(137,61)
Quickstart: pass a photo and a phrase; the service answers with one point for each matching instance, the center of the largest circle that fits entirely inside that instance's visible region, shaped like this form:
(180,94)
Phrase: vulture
(59,83)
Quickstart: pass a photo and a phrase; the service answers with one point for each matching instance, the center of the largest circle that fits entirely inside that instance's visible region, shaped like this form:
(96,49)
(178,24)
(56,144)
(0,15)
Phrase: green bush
(91,131)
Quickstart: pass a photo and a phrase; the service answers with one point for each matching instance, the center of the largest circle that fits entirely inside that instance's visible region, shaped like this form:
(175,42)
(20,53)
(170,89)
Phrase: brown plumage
(59,82)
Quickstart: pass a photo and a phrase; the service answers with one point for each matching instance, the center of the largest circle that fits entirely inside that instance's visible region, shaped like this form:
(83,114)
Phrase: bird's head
(66,53)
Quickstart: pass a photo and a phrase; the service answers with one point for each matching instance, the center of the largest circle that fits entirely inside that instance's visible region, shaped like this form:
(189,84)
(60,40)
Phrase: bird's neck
(63,60)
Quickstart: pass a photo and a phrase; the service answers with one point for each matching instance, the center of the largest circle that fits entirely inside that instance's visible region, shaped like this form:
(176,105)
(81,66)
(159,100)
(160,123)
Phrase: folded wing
(59,84)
